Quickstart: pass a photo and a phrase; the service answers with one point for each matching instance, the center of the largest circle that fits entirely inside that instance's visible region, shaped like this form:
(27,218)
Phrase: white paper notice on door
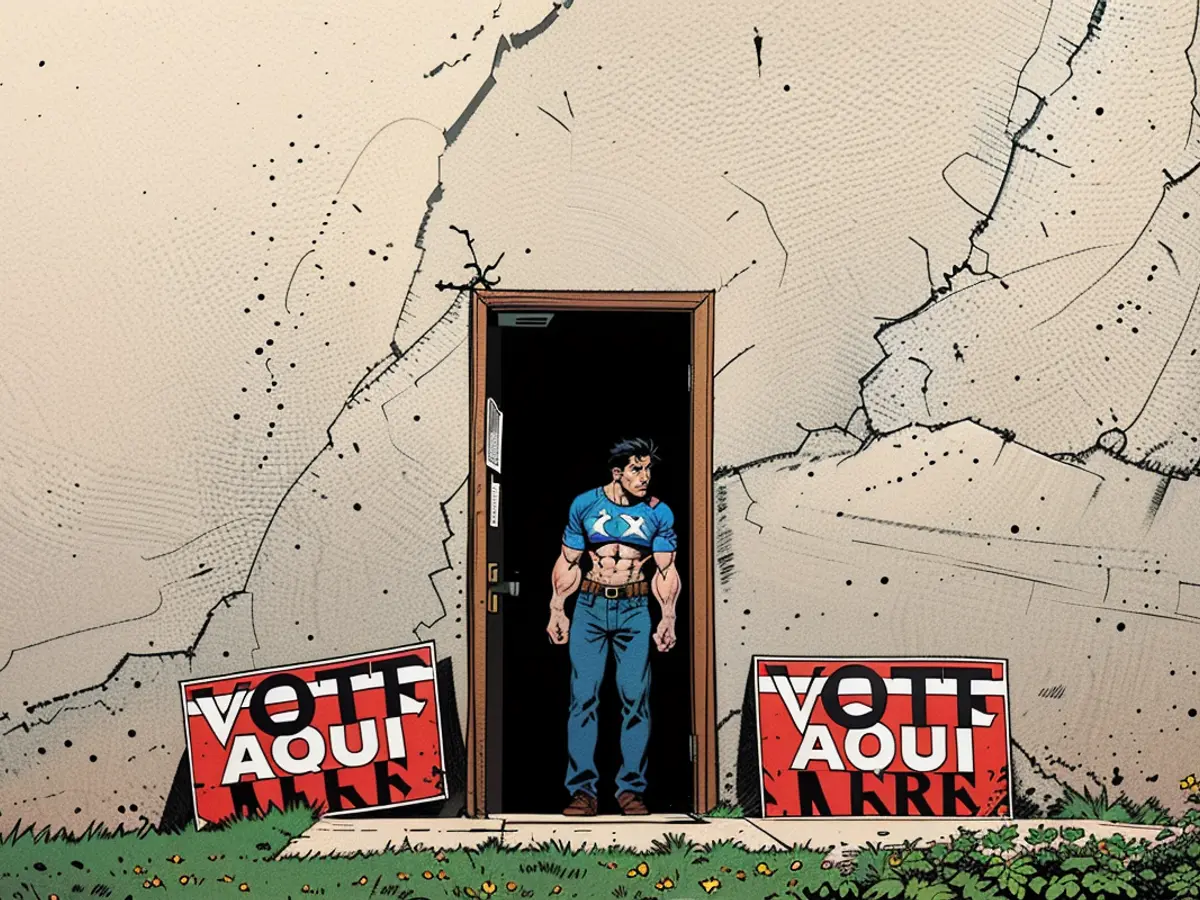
(495,433)
(494,513)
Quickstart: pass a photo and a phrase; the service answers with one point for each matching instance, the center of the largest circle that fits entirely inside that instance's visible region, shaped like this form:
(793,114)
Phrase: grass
(1076,805)
(725,811)
(239,859)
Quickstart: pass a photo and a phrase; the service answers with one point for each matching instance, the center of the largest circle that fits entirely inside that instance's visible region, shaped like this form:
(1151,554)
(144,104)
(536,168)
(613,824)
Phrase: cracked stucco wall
(821,185)
(1074,314)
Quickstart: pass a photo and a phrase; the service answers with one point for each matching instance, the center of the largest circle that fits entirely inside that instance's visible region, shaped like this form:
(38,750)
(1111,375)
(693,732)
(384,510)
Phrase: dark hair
(624,450)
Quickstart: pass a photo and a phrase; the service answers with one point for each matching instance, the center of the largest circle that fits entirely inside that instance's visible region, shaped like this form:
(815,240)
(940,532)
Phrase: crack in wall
(1016,143)
(750,505)
(767,214)
(503,45)
(188,652)
(442,66)
(449,566)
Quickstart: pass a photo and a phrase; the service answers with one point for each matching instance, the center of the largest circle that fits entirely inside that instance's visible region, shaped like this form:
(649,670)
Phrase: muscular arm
(563,582)
(565,578)
(666,585)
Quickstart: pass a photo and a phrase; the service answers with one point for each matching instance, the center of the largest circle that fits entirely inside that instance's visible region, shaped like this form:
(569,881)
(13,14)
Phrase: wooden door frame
(698,579)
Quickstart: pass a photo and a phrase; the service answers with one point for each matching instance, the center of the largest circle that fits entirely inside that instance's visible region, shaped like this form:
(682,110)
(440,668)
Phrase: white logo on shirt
(634,525)
(598,525)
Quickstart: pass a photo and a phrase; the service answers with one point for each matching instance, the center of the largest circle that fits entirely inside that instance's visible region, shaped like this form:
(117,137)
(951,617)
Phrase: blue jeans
(623,623)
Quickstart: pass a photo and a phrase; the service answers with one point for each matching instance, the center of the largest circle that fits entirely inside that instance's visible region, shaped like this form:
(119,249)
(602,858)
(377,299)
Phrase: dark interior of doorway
(569,391)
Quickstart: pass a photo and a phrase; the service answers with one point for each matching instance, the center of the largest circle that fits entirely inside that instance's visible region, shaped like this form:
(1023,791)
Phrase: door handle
(496,588)
(511,588)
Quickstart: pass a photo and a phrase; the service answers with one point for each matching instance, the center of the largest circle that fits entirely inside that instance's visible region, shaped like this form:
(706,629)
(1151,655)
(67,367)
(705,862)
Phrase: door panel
(495,604)
(567,388)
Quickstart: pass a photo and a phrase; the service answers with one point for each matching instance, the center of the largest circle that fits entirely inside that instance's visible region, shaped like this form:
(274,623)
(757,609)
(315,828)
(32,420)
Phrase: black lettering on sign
(245,800)
(385,781)
(920,676)
(953,795)
(859,797)
(916,796)
(335,791)
(831,697)
(967,700)
(811,794)
(345,690)
(306,705)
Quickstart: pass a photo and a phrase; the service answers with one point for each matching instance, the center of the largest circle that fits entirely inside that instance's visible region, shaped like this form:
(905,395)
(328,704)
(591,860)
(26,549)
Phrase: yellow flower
(796,864)
(470,892)
(710,884)
(426,874)
(243,887)
(488,888)
(177,859)
(403,876)
(138,870)
(305,889)
(145,884)
(894,860)
(512,885)
(363,880)
(557,889)
(183,879)
(665,884)
(741,876)
(156,881)
(643,869)
(726,869)
(442,876)
(632,873)
(227,878)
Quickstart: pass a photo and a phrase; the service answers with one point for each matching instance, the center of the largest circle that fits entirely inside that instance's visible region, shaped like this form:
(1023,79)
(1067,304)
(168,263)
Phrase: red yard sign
(359,732)
(899,737)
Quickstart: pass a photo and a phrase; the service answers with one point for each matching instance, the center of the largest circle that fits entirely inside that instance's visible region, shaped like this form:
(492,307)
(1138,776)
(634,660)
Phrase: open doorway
(557,380)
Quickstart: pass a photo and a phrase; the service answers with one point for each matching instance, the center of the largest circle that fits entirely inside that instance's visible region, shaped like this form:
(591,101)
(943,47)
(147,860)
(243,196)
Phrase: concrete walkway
(336,836)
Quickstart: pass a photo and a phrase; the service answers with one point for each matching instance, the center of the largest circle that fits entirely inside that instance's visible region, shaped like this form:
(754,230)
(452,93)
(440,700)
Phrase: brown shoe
(632,804)
(582,804)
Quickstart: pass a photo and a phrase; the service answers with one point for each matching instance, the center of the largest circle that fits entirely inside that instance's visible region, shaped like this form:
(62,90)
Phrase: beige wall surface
(223,332)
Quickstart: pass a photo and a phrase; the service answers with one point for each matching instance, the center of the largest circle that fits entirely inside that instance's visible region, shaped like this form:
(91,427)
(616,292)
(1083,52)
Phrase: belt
(613,592)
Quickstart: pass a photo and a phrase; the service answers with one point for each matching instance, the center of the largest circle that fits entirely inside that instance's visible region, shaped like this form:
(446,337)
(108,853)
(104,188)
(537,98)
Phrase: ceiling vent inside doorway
(525,319)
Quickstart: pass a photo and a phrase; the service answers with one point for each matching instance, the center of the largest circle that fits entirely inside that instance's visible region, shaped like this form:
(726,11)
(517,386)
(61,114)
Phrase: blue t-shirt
(596,520)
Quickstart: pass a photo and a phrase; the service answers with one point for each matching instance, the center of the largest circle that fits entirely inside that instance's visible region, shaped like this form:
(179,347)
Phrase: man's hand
(559,628)
(664,635)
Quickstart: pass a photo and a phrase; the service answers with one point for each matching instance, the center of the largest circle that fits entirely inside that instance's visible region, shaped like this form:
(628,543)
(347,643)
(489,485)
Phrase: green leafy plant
(725,811)
(1065,863)
(1076,805)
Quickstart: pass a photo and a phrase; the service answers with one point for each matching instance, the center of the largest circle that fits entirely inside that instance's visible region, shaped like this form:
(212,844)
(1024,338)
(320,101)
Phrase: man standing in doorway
(621,527)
